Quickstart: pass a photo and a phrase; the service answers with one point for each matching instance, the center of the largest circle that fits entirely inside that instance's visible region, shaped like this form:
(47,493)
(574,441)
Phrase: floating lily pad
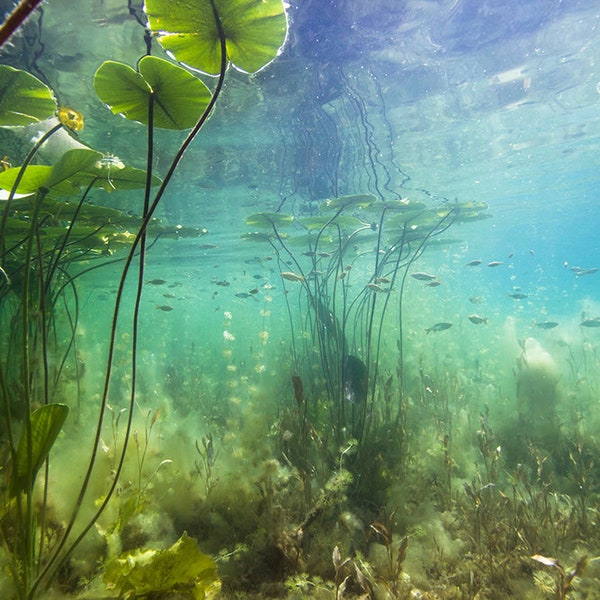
(58,178)
(353,201)
(267,220)
(24,99)
(179,97)
(254,31)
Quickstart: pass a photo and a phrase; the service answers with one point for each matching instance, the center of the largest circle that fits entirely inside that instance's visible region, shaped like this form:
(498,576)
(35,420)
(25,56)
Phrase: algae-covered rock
(182,568)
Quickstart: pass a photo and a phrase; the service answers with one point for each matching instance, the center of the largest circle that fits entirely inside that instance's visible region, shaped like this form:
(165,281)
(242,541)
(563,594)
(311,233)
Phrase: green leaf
(353,201)
(254,31)
(179,97)
(181,569)
(267,220)
(58,178)
(46,423)
(24,99)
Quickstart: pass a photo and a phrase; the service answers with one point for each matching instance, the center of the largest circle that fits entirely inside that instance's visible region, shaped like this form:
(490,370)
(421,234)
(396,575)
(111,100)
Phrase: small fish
(495,263)
(324,254)
(167,295)
(253,291)
(434,283)
(439,327)
(222,283)
(545,324)
(518,295)
(595,322)
(242,295)
(420,276)
(165,308)
(291,276)
(477,320)
(582,272)
(381,280)
(310,254)
(156,282)
(475,299)
(473,263)
(376,288)
(342,275)
(207,246)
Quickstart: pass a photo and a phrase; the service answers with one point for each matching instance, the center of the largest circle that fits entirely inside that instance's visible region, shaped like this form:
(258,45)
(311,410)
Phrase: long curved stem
(55,563)
(16,18)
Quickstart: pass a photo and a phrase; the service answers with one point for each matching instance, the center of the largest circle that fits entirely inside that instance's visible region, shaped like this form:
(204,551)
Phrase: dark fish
(474,263)
(545,324)
(423,276)
(518,295)
(495,263)
(243,295)
(477,320)
(165,308)
(581,272)
(356,387)
(475,299)
(253,291)
(595,322)
(222,283)
(439,327)
(156,282)
(207,246)
(257,276)
(167,295)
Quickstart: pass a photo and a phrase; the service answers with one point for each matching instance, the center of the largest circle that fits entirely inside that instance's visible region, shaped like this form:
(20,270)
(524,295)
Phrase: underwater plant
(43,234)
(347,267)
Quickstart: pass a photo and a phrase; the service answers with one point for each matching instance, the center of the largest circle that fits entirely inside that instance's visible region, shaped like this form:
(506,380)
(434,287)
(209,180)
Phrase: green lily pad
(58,178)
(179,97)
(24,99)
(267,220)
(254,31)
(353,201)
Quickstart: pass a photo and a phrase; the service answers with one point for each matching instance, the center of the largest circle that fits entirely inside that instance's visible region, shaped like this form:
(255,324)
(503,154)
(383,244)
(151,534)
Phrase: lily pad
(24,99)
(353,201)
(179,97)
(254,31)
(267,220)
(58,178)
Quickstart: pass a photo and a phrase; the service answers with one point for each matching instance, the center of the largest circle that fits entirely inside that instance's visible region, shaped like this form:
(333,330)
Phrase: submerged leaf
(181,568)
(254,31)
(46,423)
(24,99)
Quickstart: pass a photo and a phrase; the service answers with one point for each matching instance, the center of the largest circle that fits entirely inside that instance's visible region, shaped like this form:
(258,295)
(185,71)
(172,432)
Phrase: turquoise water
(320,421)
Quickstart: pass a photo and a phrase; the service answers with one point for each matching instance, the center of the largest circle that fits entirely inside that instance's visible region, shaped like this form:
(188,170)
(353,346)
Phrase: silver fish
(423,276)
(439,327)
(478,320)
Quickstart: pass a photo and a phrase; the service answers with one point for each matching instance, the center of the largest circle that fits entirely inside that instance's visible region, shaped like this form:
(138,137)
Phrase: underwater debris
(439,327)
(477,319)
